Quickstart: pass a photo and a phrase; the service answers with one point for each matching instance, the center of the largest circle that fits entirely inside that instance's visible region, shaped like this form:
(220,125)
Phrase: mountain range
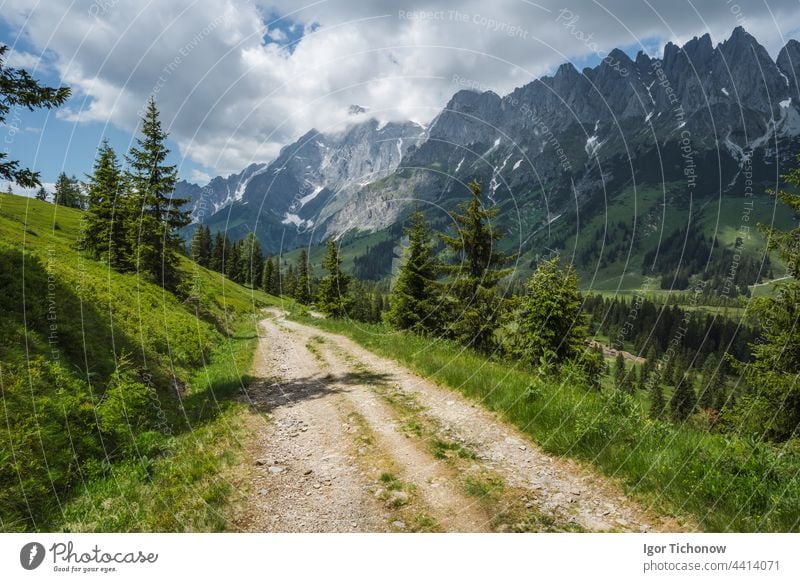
(604,164)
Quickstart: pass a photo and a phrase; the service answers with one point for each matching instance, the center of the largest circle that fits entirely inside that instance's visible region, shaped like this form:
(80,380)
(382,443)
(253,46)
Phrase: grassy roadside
(118,399)
(186,483)
(725,484)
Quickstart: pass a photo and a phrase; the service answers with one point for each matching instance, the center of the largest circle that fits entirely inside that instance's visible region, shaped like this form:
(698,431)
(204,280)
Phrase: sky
(237,80)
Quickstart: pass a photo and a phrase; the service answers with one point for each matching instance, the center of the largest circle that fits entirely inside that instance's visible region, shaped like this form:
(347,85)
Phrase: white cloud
(199,177)
(229,98)
(277,35)
(23,60)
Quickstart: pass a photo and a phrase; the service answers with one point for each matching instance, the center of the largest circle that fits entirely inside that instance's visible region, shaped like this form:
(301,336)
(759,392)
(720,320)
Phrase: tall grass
(723,483)
(117,396)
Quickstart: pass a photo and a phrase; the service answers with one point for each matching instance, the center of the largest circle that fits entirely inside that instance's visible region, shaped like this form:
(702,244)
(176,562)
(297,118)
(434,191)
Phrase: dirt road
(350,441)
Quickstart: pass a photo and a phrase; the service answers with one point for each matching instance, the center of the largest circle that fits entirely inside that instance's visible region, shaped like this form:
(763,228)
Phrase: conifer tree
(657,402)
(201,247)
(217,253)
(233,260)
(251,265)
(302,287)
(289,281)
(377,307)
(41,194)
(333,297)
(619,371)
(361,309)
(268,277)
(683,399)
(550,324)
(474,304)
(709,386)
(772,404)
(156,215)
(105,220)
(415,292)
(67,192)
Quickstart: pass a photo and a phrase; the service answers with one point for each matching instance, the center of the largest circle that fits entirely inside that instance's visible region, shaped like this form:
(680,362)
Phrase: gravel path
(357,442)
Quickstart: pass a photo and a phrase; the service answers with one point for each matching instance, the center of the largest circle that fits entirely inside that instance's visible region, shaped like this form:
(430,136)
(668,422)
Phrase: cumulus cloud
(23,60)
(199,177)
(237,80)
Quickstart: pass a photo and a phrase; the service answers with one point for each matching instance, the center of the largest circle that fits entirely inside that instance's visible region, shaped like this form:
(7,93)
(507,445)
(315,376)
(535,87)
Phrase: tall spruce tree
(709,386)
(269,279)
(217,258)
(105,220)
(302,286)
(251,260)
(233,260)
(657,402)
(67,192)
(619,371)
(474,305)
(289,281)
(684,399)
(202,246)
(771,404)
(361,309)
(415,292)
(156,215)
(549,320)
(333,296)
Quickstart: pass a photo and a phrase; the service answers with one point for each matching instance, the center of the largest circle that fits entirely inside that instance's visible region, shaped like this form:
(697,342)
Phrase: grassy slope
(726,484)
(717,217)
(65,322)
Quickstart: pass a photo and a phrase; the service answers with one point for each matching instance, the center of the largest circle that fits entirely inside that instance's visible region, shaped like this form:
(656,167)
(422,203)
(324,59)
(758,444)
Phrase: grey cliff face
(570,134)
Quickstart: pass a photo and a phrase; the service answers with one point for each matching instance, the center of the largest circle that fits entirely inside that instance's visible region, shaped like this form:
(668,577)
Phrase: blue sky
(238,80)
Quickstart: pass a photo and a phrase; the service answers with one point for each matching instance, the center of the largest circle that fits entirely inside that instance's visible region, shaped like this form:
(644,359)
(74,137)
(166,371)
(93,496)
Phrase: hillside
(119,398)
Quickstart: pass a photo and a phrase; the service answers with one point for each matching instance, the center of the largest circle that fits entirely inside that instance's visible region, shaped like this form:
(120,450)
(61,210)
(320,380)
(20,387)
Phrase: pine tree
(289,282)
(377,307)
(683,400)
(268,279)
(217,254)
(361,309)
(649,366)
(41,194)
(233,261)
(415,292)
(474,303)
(251,260)
(202,247)
(68,192)
(678,370)
(19,89)
(657,402)
(549,320)
(619,371)
(709,386)
(333,297)
(104,231)
(156,214)
(302,288)
(628,385)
